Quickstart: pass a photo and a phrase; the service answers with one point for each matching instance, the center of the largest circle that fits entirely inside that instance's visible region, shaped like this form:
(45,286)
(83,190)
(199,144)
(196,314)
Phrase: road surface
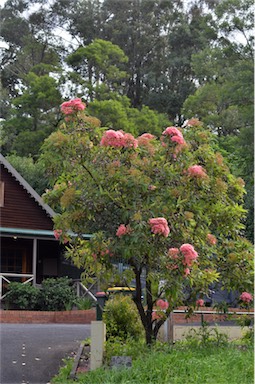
(33,353)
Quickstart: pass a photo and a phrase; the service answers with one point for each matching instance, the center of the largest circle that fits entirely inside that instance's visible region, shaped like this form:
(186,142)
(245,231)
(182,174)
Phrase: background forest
(139,65)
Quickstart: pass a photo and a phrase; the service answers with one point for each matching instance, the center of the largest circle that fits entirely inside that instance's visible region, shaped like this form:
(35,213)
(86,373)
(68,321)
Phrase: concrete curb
(76,362)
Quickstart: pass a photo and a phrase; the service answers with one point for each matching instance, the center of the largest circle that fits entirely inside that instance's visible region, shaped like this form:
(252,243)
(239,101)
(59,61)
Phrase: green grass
(180,364)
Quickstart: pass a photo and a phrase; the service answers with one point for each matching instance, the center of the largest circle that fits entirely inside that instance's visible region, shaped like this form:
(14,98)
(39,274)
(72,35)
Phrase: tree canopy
(167,207)
(139,64)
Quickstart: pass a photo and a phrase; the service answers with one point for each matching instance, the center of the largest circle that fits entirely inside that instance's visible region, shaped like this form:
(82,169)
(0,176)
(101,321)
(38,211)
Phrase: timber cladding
(19,208)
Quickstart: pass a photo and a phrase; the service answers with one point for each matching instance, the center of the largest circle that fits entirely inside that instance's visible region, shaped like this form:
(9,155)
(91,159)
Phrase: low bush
(22,296)
(56,294)
(83,303)
(122,319)
(115,346)
(205,336)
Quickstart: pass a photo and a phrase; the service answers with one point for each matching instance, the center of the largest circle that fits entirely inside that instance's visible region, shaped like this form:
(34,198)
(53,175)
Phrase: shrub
(22,296)
(56,294)
(121,318)
(130,347)
(204,336)
(83,303)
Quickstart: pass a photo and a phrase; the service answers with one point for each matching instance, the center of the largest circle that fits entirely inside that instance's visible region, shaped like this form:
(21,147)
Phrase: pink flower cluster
(189,253)
(57,233)
(174,134)
(102,254)
(123,230)
(246,297)
(189,256)
(211,239)
(192,123)
(156,315)
(145,138)
(72,106)
(162,304)
(118,139)
(197,171)
(200,303)
(159,226)
(173,253)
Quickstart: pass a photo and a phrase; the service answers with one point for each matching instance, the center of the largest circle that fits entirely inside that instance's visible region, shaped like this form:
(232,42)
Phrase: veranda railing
(5,278)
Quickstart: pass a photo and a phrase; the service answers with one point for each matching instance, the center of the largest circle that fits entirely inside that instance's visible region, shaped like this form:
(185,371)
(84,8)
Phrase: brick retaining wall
(86,316)
(180,318)
(46,317)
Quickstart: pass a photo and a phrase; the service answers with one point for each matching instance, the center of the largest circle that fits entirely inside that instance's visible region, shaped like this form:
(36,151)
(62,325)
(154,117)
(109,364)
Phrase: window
(11,260)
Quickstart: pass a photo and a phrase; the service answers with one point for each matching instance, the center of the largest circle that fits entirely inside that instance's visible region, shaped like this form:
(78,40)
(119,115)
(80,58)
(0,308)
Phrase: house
(29,250)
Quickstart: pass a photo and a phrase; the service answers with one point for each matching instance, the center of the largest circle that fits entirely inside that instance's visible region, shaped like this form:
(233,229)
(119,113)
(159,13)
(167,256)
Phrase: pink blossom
(159,226)
(211,239)
(246,297)
(118,139)
(189,254)
(57,233)
(197,171)
(72,106)
(172,267)
(200,303)
(148,136)
(172,131)
(173,253)
(192,123)
(178,139)
(112,138)
(129,141)
(186,272)
(123,230)
(145,138)
(174,134)
(162,304)
(156,316)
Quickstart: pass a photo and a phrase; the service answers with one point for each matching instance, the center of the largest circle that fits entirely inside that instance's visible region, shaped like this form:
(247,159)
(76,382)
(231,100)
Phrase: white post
(170,325)
(34,260)
(1,284)
(98,337)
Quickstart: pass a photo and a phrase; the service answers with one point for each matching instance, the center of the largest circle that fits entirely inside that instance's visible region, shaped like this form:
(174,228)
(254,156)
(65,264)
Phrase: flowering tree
(168,208)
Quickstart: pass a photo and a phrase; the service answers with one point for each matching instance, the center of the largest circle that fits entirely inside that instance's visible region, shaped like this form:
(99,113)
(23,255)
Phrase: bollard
(101,299)
(98,337)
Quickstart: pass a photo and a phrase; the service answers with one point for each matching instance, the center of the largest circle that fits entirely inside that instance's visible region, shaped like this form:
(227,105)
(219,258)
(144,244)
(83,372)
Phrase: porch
(30,256)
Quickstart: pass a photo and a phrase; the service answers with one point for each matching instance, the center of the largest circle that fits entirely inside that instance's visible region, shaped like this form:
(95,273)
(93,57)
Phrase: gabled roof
(26,186)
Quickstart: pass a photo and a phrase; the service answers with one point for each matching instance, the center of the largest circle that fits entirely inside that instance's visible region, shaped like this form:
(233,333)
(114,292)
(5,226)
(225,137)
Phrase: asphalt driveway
(33,353)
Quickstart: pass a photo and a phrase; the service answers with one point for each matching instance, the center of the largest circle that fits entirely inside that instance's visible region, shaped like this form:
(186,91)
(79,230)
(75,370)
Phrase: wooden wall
(20,210)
